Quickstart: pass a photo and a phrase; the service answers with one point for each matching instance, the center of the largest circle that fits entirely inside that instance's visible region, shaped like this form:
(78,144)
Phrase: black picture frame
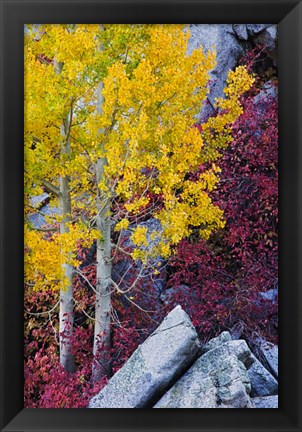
(14,14)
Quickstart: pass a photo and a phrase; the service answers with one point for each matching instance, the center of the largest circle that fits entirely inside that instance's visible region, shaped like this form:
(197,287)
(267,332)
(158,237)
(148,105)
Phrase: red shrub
(224,276)
(237,264)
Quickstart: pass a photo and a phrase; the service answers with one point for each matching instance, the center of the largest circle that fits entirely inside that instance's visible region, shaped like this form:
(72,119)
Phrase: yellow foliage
(135,205)
(152,91)
(139,236)
(42,261)
(122,224)
(45,256)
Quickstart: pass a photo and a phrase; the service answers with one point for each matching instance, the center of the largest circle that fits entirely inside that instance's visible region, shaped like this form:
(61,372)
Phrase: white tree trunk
(66,293)
(101,344)
(66,316)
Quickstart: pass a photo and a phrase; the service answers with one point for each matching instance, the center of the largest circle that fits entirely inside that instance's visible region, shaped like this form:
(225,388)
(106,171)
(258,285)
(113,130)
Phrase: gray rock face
(241,31)
(271,355)
(214,374)
(40,202)
(272,31)
(230,42)
(238,348)
(178,294)
(153,225)
(37,201)
(268,354)
(265,402)
(262,382)
(218,379)
(268,38)
(216,342)
(228,49)
(39,220)
(224,373)
(237,330)
(270,295)
(154,366)
(255,29)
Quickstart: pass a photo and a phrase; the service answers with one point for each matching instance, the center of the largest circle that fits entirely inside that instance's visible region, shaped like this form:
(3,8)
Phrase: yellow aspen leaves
(139,236)
(152,92)
(121,225)
(45,255)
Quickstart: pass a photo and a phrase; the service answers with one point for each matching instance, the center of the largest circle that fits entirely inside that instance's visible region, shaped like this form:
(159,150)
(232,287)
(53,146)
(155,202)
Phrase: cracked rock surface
(172,370)
(154,365)
(212,382)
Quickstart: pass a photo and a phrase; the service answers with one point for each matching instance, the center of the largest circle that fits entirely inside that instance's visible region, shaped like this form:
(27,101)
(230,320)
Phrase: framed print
(151,215)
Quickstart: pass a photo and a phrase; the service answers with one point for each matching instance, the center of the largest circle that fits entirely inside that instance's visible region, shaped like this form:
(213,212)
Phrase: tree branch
(43,313)
(51,187)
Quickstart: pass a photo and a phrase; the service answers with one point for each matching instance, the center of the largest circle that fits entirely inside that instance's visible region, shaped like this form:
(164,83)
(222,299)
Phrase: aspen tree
(132,136)
(52,91)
